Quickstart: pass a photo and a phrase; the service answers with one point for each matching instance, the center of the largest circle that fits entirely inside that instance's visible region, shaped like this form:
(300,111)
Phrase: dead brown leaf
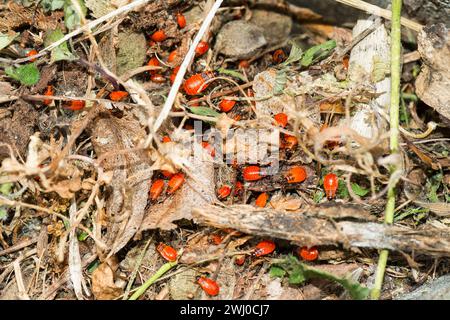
(17,16)
(198,190)
(103,286)
(127,193)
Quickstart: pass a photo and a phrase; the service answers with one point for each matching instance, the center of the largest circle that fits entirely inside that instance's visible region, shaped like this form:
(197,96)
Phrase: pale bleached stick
(375,10)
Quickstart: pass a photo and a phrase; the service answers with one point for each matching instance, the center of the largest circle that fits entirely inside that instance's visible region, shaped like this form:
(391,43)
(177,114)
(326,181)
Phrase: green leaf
(318,196)
(6,39)
(342,190)
(295,55)
(71,17)
(280,81)
(433,186)
(6,188)
(296,277)
(94,265)
(358,190)
(299,272)
(317,53)
(61,52)
(83,236)
(52,5)
(232,73)
(410,212)
(277,272)
(27,74)
(205,111)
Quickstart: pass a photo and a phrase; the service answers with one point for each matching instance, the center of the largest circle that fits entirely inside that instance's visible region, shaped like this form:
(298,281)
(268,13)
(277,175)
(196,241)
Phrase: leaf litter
(76,172)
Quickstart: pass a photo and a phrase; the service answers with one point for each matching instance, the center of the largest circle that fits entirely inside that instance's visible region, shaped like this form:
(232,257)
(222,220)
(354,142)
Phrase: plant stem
(394,130)
(140,291)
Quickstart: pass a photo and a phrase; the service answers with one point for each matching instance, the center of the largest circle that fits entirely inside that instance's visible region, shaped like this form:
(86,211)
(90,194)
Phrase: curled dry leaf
(103,286)
(198,190)
(128,190)
(288,202)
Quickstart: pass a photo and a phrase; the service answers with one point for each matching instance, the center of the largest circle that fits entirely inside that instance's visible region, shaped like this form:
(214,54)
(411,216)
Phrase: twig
(22,292)
(186,62)
(375,10)
(18,246)
(394,133)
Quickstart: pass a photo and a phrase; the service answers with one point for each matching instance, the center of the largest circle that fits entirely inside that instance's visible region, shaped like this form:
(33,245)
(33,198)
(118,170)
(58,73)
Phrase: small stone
(276,27)
(240,39)
(130,57)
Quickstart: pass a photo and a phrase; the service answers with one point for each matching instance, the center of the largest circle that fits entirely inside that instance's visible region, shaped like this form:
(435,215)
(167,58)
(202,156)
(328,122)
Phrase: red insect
(216,239)
(290,142)
(201,48)
(308,254)
(252,173)
(158,78)
(296,174)
(264,248)
(154,62)
(244,64)
(211,150)
(172,56)
(209,286)
(261,201)
(159,36)
(278,56)
(330,184)
(167,174)
(166,139)
(48,92)
(181,20)
(167,252)
(173,75)
(281,119)
(175,183)
(345,62)
(118,95)
(76,105)
(226,105)
(224,192)
(32,53)
(196,83)
(239,260)
(238,188)
(156,189)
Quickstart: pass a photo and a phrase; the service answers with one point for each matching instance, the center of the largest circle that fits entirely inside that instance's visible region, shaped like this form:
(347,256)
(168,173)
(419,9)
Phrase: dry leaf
(103,286)
(127,192)
(289,202)
(196,191)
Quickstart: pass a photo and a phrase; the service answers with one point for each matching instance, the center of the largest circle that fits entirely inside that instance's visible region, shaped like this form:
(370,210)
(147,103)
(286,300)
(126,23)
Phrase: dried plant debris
(433,82)
(264,175)
(130,174)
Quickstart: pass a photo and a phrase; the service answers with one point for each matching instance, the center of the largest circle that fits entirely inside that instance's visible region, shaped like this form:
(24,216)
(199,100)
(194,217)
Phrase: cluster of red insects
(263,248)
(195,85)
